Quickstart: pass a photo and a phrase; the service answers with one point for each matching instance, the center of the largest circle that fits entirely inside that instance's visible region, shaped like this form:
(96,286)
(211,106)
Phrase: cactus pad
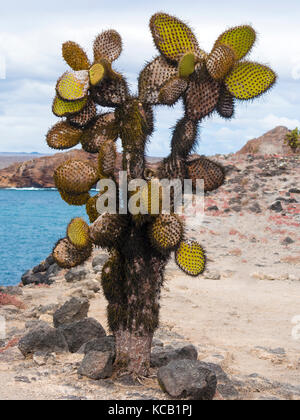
(166,232)
(107,159)
(96,74)
(190,257)
(108,46)
(184,137)
(84,117)
(75,176)
(201,97)
(211,172)
(248,80)
(104,128)
(220,61)
(151,198)
(225,107)
(73,85)
(172,91)
(186,65)
(108,230)
(67,255)
(241,39)
(152,79)
(74,199)
(111,92)
(172,37)
(91,208)
(78,233)
(63,136)
(75,56)
(62,108)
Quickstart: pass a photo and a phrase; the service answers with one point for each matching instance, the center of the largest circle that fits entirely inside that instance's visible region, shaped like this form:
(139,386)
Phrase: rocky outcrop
(271,143)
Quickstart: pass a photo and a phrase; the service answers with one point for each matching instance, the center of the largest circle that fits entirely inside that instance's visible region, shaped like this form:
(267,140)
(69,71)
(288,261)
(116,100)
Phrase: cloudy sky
(31,34)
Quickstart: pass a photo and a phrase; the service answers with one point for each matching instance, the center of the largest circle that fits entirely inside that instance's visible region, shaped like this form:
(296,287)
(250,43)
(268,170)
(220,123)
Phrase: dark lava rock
(103,344)
(294,191)
(42,267)
(43,338)
(213,208)
(36,278)
(53,270)
(187,379)
(81,332)
(97,365)
(11,290)
(76,274)
(255,208)
(163,356)
(276,207)
(71,311)
(287,241)
(237,209)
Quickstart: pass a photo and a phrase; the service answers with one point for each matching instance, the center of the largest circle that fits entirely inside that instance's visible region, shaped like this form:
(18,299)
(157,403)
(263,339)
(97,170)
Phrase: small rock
(213,208)
(35,278)
(99,260)
(188,379)
(43,338)
(11,290)
(96,365)
(292,277)
(212,275)
(53,270)
(161,356)
(46,318)
(76,274)
(287,241)
(237,209)
(294,191)
(98,269)
(71,311)
(41,358)
(92,285)
(22,379)
(42,267)
(277,206)
(81,332)
(255,208)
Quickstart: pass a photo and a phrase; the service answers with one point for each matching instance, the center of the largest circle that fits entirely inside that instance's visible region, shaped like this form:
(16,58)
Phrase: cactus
(292,139)
(141,245)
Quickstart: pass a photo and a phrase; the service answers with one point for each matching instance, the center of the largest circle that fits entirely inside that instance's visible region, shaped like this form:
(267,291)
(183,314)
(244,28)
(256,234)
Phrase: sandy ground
(239,314)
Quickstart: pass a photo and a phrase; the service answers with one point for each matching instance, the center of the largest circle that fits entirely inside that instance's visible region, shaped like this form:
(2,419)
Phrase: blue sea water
(31,221)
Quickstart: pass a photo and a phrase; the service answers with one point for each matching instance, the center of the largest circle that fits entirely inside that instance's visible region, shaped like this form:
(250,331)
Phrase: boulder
(102,344)
(80,332)
(97,365)
(99,260)
(189,379)
(71,311)
(76,274)
(43,338)
(161,356)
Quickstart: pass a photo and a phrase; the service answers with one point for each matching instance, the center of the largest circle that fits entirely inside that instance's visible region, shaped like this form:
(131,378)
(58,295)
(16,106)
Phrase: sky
(31,34)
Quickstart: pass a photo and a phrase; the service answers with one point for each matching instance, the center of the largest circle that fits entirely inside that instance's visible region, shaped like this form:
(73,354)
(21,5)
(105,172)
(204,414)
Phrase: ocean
(31,221)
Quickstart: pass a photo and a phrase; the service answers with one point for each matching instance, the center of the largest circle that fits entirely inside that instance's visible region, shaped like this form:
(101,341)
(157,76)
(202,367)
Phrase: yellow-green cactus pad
(108,46)
(62,108)
(107,159)
(78,233)
(67,255)
(91,208)
(152,79)
(75,56)
(220,61)
(63,136)
(248,80)
(96,74)
(85,116)
(75,176)
(172,91)
(212,173)
(73,85)
(187,65)
(74,199)
(240,39)
(172,37)
(190,257)
(104,128)
(166,232)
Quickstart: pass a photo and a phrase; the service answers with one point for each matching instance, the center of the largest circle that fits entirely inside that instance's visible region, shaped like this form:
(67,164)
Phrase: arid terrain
(241,315)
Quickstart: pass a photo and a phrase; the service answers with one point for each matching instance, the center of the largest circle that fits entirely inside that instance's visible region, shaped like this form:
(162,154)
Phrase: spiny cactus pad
(78,233)
(151,198)
(104,128)
(73,85)
(74,199)
(184,137)
(172,91)
(111,278)
(111,92)
(190,257)
(153,78)
(248,80)
(63,136)
(91,208)
(220,61)
(107,159)
(67,255)
(240,38)
(201,97)
(166,232)
(74,56)
(172,37)
(108,230)
(96,74)
(75,176)
(62,108)
(211,172)
(108,46)
(85,116)
(225,107)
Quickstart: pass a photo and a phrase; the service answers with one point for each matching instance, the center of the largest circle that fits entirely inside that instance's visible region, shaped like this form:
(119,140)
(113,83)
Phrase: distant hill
(8,158)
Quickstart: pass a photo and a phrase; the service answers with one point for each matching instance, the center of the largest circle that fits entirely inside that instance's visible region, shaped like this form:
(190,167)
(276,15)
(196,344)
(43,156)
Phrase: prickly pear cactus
(140,245)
